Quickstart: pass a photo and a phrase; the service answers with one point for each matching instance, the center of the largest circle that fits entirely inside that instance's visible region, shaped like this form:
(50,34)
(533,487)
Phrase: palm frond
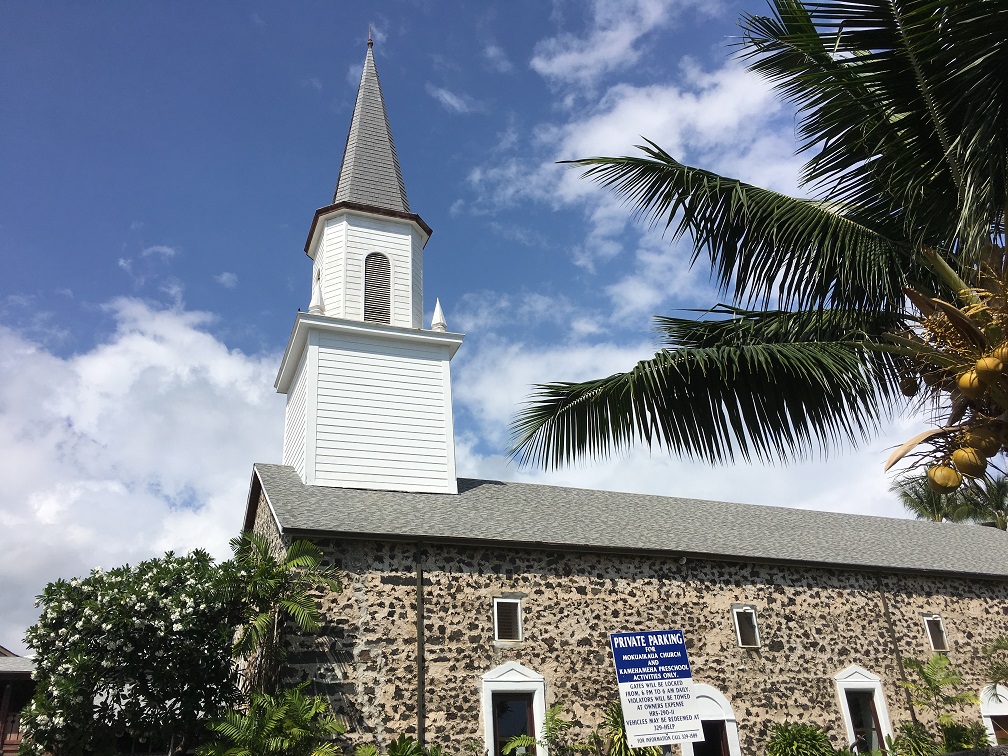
(764,247)
(759,385)
(902,108)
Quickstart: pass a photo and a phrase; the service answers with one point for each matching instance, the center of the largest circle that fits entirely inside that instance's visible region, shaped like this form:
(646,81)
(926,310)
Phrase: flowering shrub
(140,652)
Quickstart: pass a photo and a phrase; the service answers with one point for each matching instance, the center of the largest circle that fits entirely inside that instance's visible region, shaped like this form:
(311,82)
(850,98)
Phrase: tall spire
(370,173)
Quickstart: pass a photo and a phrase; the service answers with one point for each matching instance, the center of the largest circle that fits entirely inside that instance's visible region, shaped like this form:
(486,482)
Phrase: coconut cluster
(958,358)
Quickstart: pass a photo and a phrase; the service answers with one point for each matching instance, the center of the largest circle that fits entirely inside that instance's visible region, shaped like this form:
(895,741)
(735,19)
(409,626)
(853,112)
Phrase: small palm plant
(931,689)
(615,732)
(290,724)
(912,739)
(554,736)
(274,588)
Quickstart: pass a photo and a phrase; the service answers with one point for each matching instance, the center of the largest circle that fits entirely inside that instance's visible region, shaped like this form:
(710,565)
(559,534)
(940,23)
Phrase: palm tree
(987,501)
(924,503)
(275,588)
(904,114)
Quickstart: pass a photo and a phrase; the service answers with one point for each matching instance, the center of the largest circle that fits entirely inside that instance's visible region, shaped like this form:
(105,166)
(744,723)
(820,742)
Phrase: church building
(469,607)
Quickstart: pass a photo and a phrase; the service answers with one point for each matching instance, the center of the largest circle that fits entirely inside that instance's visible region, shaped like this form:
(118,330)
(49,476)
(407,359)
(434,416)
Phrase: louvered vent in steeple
(377,289)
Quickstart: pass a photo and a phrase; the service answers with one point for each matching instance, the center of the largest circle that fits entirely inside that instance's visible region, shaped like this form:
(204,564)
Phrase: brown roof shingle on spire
(370,173)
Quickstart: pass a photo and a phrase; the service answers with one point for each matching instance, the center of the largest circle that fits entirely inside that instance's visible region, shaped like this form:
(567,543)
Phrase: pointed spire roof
(370,173)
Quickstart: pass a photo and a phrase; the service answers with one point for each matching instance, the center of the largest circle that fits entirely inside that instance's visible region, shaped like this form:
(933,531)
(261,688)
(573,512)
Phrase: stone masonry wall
(813,623)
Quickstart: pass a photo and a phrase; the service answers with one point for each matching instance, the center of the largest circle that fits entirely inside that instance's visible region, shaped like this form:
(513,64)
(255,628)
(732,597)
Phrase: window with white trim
(507,619)
(863,709)
(377,289)
(935,629)
(746,629)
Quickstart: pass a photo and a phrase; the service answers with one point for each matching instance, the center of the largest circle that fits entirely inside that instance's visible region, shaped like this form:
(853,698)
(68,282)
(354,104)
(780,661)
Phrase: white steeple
(368,391)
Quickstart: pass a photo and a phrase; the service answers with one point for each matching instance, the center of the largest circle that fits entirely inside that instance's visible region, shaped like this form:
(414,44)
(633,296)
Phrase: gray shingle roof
(370,172)
(17,664)
(487,511)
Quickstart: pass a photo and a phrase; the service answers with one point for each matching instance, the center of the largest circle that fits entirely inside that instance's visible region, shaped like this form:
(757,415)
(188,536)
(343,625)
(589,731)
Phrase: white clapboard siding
(382,415)
(417,273)
(332,249)
(347,238)
(295,416)
(395,241)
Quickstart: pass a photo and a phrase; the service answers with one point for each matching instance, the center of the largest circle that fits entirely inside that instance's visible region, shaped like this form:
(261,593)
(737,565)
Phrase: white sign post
(655,687)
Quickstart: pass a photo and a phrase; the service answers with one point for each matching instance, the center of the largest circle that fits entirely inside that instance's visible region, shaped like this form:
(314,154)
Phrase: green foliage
(613,736)
(932,688)
(987,501)
(964,736)
(140,651)
(912,739)
(289,724)
(366,749)
(798,739)
(920,500)
(555,736)
(997,670)
(905,131)
(405,745)
(272,591)
(147,652)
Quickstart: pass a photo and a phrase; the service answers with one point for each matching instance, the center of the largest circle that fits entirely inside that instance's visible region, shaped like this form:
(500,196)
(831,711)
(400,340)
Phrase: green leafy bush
(912,739)
(798,739)
(289,724)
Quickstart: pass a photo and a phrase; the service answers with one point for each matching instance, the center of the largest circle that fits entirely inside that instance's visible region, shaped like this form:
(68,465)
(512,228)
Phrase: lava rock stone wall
(813,623)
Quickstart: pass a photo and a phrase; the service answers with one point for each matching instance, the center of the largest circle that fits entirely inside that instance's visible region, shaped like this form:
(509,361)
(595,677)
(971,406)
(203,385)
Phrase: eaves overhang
(325,213)
(307,322)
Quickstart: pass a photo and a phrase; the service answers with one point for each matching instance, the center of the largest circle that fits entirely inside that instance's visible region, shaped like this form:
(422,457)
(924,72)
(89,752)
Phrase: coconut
(969,461)
(989,368)
(943,479)
(984,440)
(969,384)
(908,385)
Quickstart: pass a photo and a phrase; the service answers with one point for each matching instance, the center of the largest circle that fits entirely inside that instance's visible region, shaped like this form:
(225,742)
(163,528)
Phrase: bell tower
(368,389)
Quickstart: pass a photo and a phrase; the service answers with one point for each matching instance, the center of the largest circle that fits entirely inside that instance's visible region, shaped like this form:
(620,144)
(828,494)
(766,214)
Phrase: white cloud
(461,104)
(142,444)
(497,58)
(162,250)
(313,82)
(226,279)
(612,42)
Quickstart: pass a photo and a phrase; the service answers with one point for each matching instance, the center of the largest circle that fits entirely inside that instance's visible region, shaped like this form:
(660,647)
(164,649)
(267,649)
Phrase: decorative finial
(438,321)
(370,42)
(316,307)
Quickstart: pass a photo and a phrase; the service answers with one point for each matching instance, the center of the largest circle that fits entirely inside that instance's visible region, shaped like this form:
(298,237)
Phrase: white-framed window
(863,708)
(934,628)
(377,289)
(719,725)
(514,702)
(994,711)
(507,619)
(746,628)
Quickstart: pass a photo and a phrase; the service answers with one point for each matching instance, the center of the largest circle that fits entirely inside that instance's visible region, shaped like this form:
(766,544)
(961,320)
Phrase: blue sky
(161,163)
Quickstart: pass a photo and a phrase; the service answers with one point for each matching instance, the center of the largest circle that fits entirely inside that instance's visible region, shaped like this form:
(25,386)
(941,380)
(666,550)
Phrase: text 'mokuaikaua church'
(471,606)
